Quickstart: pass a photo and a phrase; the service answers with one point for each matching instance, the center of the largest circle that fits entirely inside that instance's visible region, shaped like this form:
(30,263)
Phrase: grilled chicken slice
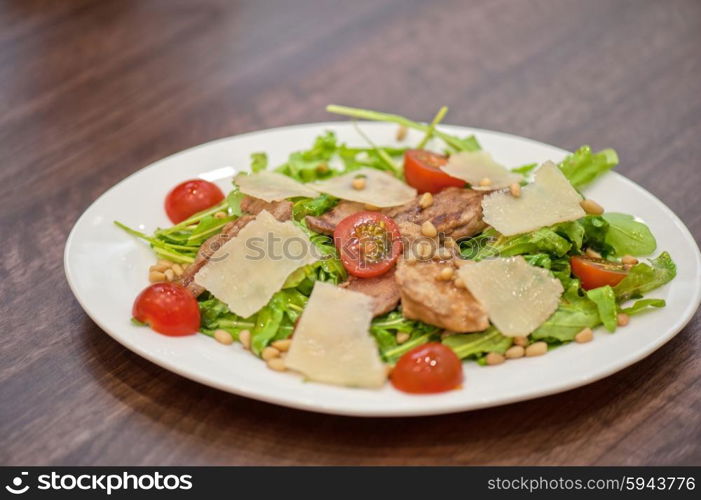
(438,302)
(383,289)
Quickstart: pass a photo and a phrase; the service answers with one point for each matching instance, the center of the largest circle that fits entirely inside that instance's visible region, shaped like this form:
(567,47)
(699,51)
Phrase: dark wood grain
(91,91)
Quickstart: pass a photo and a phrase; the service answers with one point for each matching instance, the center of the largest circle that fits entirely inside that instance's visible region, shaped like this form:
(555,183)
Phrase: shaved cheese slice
(518,297)
(332,343)
(381,189)
(548,200)
(474,166)
(271,186)
(249,268)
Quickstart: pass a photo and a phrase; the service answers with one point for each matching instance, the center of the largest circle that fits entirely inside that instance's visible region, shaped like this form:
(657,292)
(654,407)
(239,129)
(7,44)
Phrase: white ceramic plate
(107,268)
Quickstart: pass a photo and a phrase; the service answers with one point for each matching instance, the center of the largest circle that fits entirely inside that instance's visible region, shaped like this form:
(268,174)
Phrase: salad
(357,265)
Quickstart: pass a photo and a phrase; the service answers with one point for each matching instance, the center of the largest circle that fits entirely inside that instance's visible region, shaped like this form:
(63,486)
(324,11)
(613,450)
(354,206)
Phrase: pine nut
(521,341)
(169,274)
(269,353)
(515,352)
(459,283)
(223,337)
(402,131)
(486,182)
(322,168)
(591,207)
(245,338)
(220,215)
(178,270)
(443,254)
(402,337)
(536,349)
(164,262)
(410,258)
(592,253)
(584,336)
(159,268)
(372,208)
(282,345)
(494,358)
(515,189)
(622,319)
(446,273)
(277,364)
(450,243)
(423,250)
(629,260)
(358,183)
(156,276)
(428,229)
(426,200)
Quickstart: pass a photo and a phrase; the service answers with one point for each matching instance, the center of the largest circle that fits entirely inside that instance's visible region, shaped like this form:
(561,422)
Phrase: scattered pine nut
(584,336)
(245,338)
(164,262)
(515,352)
(443,254)
(223,337)
(592,253)
(277,364)
(159,268)
(450,243)
(446,273)
(591,207)
(169,274)
(402,131)
(622,319)
(459,283)
(426,200)
(402,337)
(220,215)
(485,182)
(629,260)
(521,341)
(515,189)
(358,183)
(178,270)
(322,168)
(536,349)
(269,353)
(494,358)
(156,276)
(423,250)
(428,229)
(282,345)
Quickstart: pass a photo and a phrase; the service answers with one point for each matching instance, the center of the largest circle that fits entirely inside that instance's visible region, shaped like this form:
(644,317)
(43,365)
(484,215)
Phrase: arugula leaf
(543,240)
(468,345)
(385,328)
(605,301)
(259,161)
(313,206)
(645,277)
(312,164)
(233,201)
(643,306)
(583,166)
(574,313)
(625,235)
(525,169)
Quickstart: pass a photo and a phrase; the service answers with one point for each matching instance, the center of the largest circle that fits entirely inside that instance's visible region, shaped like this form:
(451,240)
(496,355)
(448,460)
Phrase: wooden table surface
(91,91)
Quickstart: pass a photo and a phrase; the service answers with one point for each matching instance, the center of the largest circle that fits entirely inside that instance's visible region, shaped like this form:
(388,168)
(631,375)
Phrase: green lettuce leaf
(259,161)
(385,328)
(625,235)
(574,313)
(605,301)
(643,306)
(643,277)
(468,345)
(313,206)
(583,166)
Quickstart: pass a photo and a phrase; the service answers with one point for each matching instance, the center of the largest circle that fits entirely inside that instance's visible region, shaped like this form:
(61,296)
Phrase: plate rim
(450,407)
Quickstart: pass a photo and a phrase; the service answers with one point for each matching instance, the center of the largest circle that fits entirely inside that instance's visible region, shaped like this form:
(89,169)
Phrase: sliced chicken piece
(428,298)
(383,289)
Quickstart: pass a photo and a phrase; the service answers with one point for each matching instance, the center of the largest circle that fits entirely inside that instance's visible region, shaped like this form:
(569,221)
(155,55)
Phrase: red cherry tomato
(190,197)
(428,368)
(168,308)
(368,242)
(594,273)
(421,170)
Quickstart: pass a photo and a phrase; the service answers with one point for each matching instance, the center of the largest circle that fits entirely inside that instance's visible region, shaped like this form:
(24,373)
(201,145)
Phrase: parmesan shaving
(476,166)
(381,189)
(548,200)
(248,269)
(271,186)
(518,297)
(332,343)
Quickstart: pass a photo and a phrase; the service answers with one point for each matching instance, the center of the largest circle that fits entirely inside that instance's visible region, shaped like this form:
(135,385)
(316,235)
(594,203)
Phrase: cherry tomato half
(190,197)
(168,308)
(428,368)
(593,273)
(421,170)
(368,242)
